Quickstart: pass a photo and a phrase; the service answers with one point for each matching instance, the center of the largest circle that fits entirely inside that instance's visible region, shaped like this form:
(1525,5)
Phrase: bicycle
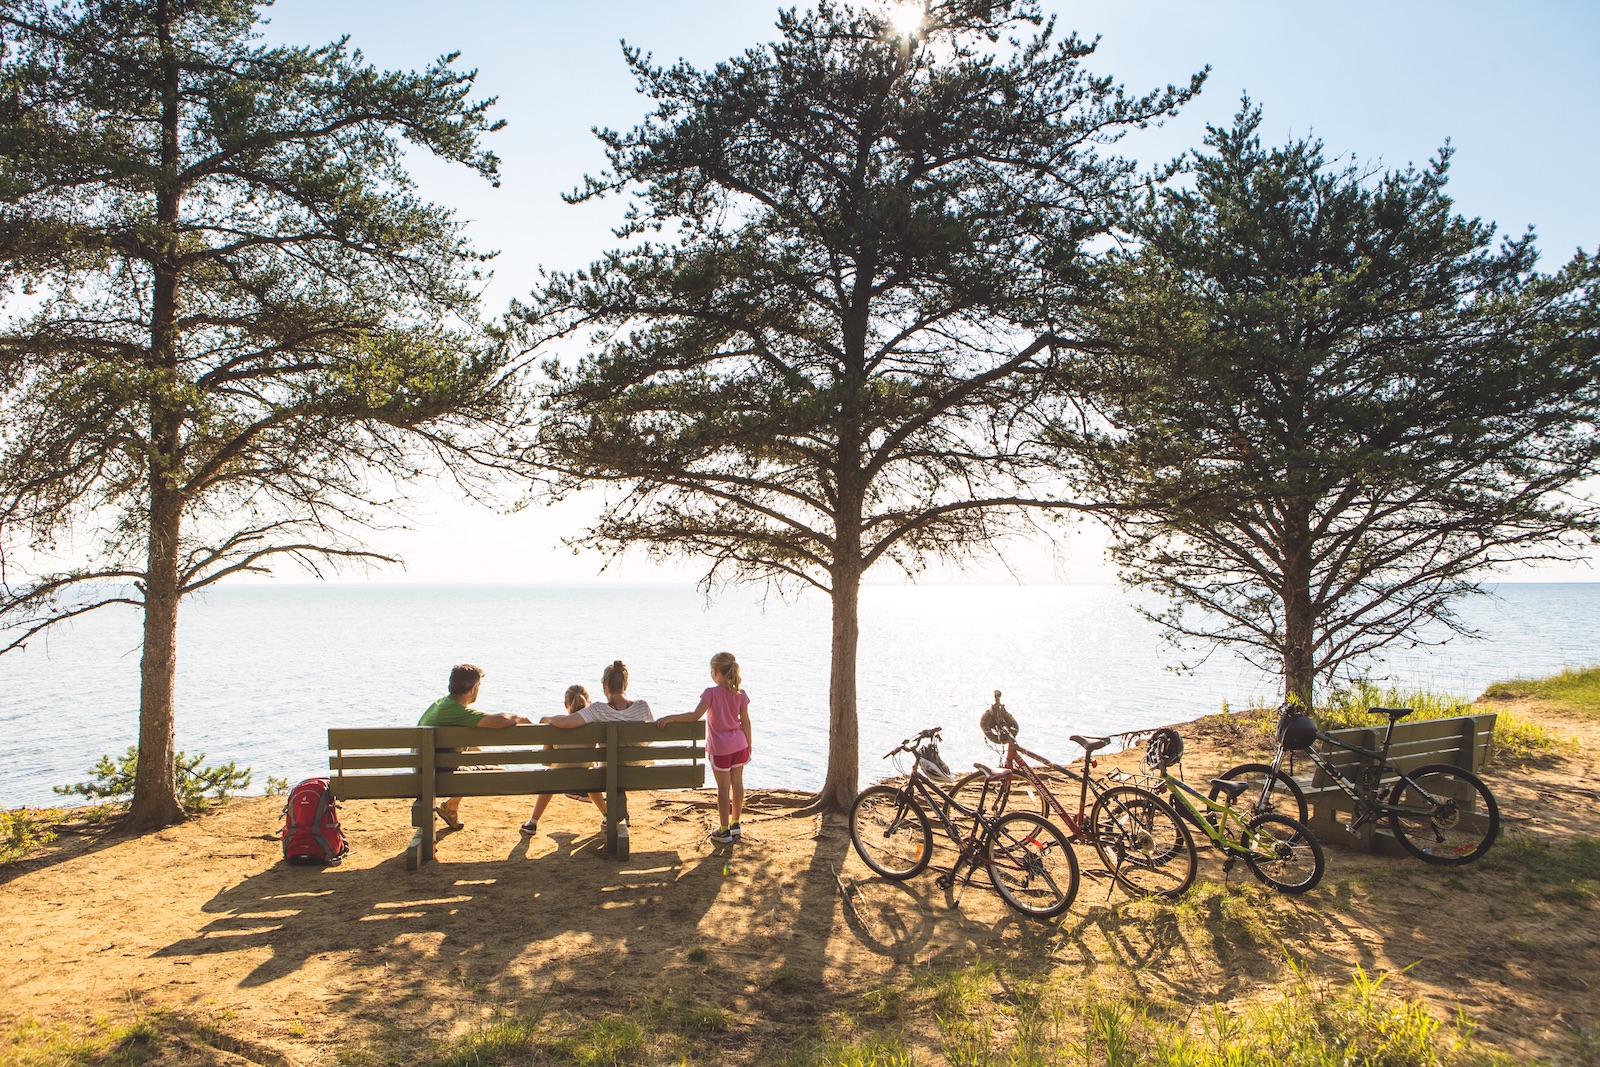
(1439,813)
(1141,841)
(1281,852)
(1029,863)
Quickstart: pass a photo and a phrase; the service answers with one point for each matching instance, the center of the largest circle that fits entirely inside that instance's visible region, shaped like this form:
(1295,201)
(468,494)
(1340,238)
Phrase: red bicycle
(1140,839)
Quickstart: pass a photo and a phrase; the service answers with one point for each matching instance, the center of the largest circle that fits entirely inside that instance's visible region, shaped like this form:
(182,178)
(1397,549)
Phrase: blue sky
(1512,85)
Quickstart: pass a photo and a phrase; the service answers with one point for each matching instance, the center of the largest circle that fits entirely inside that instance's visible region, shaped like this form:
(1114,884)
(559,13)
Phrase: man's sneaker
(723,836)
(733,829)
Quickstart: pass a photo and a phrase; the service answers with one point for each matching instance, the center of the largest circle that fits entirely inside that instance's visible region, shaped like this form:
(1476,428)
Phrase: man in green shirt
(456,710)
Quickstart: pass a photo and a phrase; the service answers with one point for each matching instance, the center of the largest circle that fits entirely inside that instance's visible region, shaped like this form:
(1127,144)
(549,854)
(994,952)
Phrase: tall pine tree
(227,312)
(825,344)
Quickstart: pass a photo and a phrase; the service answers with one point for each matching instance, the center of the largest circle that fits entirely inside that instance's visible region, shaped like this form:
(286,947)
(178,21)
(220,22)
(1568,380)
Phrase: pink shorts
(727,761)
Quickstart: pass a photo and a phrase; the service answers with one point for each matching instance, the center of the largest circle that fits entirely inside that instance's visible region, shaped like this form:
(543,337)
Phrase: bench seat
(424,763)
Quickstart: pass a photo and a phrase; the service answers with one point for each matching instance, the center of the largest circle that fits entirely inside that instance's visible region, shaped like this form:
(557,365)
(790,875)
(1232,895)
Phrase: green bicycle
(1279,851)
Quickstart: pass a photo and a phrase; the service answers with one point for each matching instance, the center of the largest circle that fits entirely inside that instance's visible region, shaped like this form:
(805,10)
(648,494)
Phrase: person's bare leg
(540,802)
(737,776)
(723,788)
(599,801)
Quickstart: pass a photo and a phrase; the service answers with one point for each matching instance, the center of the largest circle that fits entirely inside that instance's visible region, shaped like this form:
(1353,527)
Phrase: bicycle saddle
(1229,788)
(1395,714)
(989,774)
(1089,744)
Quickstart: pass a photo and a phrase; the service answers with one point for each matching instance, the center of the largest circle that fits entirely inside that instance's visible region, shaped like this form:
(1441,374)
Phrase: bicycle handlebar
(910,743)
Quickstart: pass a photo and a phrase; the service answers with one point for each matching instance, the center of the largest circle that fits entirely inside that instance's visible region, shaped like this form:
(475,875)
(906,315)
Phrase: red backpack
(311,831)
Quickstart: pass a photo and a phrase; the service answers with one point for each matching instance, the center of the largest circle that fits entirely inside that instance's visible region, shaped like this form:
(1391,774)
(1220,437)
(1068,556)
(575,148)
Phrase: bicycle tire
(968,790)
(1031,865)
(1462,825)
(891,832)
(1286,798)
(1283,853)
(1142,842)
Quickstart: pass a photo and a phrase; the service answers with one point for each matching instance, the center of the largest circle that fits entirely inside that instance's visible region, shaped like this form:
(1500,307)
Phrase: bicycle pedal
(944,881)
(1228,864)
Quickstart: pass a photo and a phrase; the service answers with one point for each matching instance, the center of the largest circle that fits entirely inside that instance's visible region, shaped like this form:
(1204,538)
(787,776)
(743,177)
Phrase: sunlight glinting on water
(265,670)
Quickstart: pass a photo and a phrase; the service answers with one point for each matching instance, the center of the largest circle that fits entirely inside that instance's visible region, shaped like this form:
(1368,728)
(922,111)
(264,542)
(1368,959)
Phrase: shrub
(199,787)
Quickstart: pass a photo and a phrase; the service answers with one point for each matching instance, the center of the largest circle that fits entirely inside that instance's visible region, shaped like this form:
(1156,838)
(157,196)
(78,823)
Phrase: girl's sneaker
(723,836)
(735,831)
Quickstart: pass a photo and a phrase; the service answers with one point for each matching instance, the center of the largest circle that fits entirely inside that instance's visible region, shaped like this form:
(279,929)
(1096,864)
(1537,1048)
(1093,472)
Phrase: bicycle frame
(1185,795)
(1016,765)
(1367,796)
(969,846)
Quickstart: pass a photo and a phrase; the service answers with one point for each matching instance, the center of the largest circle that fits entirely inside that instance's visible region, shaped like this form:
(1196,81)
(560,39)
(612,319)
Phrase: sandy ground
(290,964)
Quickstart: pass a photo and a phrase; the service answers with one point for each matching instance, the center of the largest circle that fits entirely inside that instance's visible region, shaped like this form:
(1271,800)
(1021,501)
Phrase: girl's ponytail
(724,664)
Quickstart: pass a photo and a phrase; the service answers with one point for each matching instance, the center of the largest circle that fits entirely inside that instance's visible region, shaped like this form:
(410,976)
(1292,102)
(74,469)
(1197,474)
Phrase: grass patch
(97,1043)
(1567,872)
(1575,688)
(1517,739)
(875,1051)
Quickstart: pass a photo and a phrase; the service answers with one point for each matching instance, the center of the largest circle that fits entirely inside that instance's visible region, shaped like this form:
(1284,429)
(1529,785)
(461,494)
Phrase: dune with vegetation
(197,945)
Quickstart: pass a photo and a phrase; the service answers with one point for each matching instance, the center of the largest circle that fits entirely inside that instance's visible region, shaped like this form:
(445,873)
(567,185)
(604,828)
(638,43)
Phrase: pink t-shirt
(724,733)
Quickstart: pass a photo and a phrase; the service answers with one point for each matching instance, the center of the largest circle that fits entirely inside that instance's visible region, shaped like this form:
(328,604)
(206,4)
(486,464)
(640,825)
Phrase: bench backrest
(1463,741)
(369,763)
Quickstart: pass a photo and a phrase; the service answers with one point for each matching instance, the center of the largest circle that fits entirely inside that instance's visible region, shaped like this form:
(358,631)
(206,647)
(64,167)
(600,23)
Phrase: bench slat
(408,761)
(378,737)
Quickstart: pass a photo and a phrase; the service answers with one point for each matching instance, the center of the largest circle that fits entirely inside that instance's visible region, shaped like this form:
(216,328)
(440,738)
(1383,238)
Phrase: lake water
(264,670)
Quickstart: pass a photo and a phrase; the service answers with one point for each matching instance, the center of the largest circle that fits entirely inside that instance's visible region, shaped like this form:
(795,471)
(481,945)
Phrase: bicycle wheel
(1283,853)
(968,790)
(1142,842)
(1031,865)
(1443,814)
(891,832)
(1286,797)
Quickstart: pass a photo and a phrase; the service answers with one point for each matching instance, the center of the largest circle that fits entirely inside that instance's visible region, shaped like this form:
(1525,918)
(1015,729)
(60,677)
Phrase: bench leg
(420,850)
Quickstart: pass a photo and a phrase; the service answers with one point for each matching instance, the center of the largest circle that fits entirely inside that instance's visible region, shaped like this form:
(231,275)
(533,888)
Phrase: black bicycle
(1028,860)
(1439,813)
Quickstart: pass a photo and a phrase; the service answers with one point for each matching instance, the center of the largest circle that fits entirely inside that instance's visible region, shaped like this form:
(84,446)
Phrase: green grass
(1567,872)
(1517,738)
(1576,689)
(24,831)
(97,1043)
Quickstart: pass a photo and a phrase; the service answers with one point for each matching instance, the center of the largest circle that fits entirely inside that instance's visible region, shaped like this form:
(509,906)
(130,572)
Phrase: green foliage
(26,830)
(198,787)
(834,358)
(1335,403)
(241,318)
(1516,738)
(97,1042)
(1563,871)
(277,787)
(1574,688)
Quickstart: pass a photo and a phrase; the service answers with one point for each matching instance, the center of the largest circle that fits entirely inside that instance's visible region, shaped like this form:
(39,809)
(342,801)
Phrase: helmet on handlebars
(998,724)
(1165,748)
(933,765)
(1295,730)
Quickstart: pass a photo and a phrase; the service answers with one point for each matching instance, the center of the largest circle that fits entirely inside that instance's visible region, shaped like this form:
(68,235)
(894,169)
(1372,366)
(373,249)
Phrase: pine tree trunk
(844,729)
(1299,628)
(155,791)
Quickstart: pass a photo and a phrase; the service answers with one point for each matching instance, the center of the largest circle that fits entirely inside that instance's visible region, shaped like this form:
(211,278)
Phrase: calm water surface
(264,670)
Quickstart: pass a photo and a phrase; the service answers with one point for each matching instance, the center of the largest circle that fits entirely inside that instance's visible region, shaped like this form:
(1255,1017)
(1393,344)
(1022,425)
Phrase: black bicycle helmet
(1296,731)
(1165,748)
(999,725)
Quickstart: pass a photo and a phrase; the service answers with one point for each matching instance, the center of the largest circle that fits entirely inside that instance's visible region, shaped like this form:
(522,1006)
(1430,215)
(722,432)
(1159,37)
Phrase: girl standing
(728,740)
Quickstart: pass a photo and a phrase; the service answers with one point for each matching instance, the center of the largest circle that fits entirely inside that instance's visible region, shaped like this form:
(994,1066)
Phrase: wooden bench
(1465,741)
(424,763)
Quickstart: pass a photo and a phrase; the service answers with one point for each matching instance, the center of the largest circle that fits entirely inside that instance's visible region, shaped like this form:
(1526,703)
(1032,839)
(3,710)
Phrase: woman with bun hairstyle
(728,740)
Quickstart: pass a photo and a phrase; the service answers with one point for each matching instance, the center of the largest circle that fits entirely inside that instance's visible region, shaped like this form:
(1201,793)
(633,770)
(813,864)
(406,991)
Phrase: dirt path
(288,965)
